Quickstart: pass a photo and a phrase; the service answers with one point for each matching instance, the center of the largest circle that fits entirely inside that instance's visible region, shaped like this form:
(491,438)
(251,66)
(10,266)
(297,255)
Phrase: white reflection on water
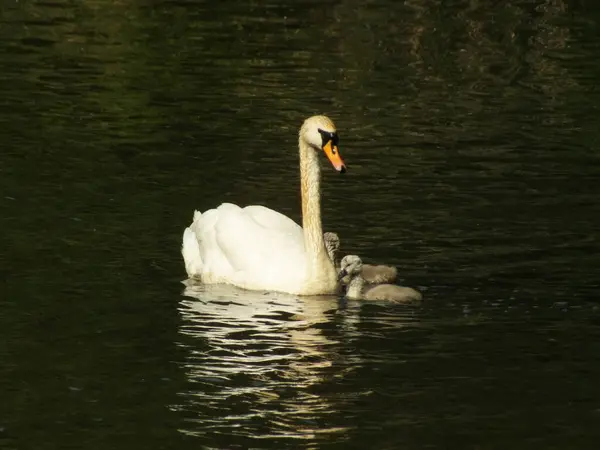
(256,359)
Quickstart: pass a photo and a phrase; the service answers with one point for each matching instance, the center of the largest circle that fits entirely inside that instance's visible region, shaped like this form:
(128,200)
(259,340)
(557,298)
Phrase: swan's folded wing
(271,219)
(263,254)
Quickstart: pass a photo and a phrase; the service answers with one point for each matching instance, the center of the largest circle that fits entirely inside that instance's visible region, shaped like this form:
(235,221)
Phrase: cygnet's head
(350,266)
(332,241)
(319,133)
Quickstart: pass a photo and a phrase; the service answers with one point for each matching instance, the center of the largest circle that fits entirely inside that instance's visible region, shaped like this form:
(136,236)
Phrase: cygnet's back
(392,292)
(379,274)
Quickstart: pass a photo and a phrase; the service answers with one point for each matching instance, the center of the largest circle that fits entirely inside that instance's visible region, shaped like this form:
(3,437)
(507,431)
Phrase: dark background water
(470,130)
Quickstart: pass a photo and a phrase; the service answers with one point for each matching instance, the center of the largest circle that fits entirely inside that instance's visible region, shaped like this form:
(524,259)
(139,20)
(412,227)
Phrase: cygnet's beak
(333,153)
(342,274)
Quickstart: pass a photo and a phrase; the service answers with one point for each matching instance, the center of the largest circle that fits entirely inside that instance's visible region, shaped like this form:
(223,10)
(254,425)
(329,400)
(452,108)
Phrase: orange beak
(333,154)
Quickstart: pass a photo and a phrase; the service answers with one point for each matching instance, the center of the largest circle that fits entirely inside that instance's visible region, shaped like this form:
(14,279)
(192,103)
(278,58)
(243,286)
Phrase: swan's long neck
(354,290)
(310,181)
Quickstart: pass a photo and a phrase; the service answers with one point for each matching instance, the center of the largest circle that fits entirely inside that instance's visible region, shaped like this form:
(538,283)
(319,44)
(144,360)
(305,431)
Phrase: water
(471,140)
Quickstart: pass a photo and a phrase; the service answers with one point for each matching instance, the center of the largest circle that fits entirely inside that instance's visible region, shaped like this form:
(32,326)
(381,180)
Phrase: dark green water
(471,136)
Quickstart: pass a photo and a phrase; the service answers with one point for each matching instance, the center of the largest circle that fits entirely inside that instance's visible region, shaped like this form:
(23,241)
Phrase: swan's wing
(271,219)
(252,246)
(235,245)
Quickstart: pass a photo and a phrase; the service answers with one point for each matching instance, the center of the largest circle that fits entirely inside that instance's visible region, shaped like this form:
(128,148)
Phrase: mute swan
(257,248)
(371,274)
(350,273)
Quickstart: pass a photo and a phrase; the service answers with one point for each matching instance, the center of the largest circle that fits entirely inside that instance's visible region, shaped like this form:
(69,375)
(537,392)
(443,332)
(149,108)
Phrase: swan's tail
(191,250)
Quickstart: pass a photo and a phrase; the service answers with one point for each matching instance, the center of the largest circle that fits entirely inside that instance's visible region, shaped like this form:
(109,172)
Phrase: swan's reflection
(259,360)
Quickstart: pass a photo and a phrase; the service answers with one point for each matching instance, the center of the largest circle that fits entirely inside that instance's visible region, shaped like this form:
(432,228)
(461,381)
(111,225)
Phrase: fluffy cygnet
(351,275)
(371,274)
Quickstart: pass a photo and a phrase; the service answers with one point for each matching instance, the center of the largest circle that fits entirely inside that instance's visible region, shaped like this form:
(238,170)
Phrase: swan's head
(319,133)
(350,266)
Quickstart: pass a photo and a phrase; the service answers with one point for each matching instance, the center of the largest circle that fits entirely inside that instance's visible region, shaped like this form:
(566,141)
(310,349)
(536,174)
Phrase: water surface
(470,134)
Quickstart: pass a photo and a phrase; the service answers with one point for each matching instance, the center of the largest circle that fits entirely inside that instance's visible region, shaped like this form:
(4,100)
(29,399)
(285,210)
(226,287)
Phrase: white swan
(350,273)
(260,249)
(371,274)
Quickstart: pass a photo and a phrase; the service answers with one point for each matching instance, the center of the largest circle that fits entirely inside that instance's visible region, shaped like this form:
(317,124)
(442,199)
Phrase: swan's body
(260,249)
(351,274)
(371,274)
